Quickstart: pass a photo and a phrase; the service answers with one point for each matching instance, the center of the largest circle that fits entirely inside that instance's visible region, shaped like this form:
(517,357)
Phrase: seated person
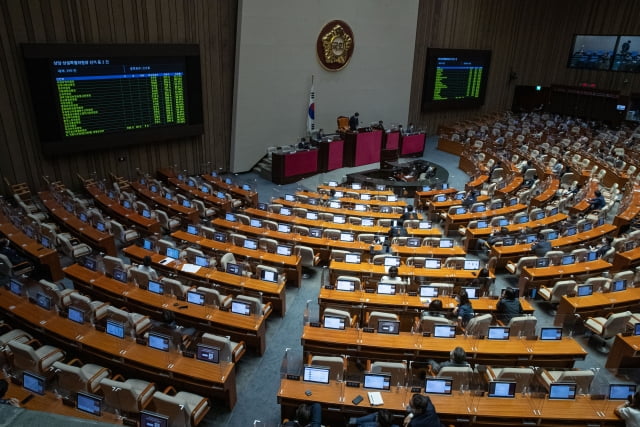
(409,214)
(469,199)
(596,202)
(392,276)
(168,326)
(457,358)
(603,247)
(382,418)
(436,309)
(307,415)
(464,310)
(146,266)
(4,386)
(508,306)
(494,237)
(541,246)
(422,413)
(630,411)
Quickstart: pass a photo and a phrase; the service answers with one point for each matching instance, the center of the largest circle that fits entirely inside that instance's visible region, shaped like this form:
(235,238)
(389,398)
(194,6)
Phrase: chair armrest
(266,309)
(98,374)
(238,352)
(146,392)
(226,301)
(498,321)
(490,374)
(170,391)
(48,355)
(196,411)
(75,362)
(595,319)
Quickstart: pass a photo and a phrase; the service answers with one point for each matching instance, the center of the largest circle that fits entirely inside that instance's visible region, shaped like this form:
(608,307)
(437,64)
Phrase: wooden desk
(406,346)
(339,211)
(597,304)
(427,251)
(188,215)
(290,264)
(271,292)
(220,205)
(515,252)
(47,258)
(625,353)
(626,215)
(626,260)
(548,193)
(583,204)
(215,381)
(250,329)
(455,409)
(476,182)
(82,230)
(535,277)
(372,191)
(422,197)
(128,216)
(514,182)
(452,222)
(375,272)
(250,196)
(434,209)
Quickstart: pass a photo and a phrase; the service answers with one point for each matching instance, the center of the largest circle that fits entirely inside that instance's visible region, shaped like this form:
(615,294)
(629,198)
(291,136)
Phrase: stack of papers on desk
(375,398)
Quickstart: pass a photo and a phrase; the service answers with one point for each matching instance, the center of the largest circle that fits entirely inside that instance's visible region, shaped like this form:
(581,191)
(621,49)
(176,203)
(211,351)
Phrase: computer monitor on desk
(377,381)
(432,263)
(584,290)
(621,391)
(563,391)
(472,293)
(155,287)
(241,307)
(386,289)
(619,285)
(316,374)
(428,291)
(345,285)
(550,334)
(352,258)
(43,301)
(207,353)
(392,261)
(89,403)
(389,327)
(33,383)
(438,385)
(115,329)
(334,322)
(502,389)
(444,331)
(153,419)
(195,298)
(498,333)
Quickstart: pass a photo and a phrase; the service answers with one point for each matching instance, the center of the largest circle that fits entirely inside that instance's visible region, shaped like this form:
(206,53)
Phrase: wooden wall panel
(531,37)
(211,24)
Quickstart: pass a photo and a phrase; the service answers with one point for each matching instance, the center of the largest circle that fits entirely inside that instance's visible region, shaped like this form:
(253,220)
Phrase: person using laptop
(4,386)
(307,415)
(146,266)
(422,413)
(630,411)
(508,306)
(464,310)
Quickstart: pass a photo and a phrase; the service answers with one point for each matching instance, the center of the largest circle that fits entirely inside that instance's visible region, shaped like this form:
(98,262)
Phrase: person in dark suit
(422,412)
(354,121)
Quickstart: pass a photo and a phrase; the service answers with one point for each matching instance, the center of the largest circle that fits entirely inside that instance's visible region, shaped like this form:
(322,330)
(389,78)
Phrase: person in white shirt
(146,266)
(630,412)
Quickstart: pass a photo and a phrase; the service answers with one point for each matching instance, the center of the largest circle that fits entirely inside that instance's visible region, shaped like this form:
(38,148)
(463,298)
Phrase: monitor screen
(115,329)
(120,275)
(459,196)
(471,264)
(333,322)
(347,237)
(392,261)
(284,250)
(388,327)
(269,276)
(426,188)
(460,211)
(29,231)
(571,231)
(538,216)
(334,204)
(246,187)
(75,314)
(585,290)
(356,186)
(553,211)
(90,263)
(196,298)
(332,184)
(446,243)
(173,253)
(550,334)
(339,219)
(636,329)
(482,224)
(147,244)
(153,188)
(83,217)
(152,419)
(289,197)
(159,341)
(365,197)
(445,185)
(168,196)
(424,225)
(432,263)
(33,383)
(262,206)
(377,381)
(512,201)
(440,198)
(155,287)
(386,288)
(472,293)
(587,226)
(192,229)
(498,333)
(220,195)
(521,219)
(146,213)
(619,285)
(233,269)
(592,256)
(508,241)
(562,391)
(444,331)
(312,216)
(345,285)
(479,208)
(89,403)
(255,222)
(126,204)
(380,187)
(230,217)
(497,205)
(241,307)
(43,301)
(191,183)
(285,211)
(413,242)
(359,207)
(595,52)
(428,291)
(530,238)
(250,244)
(438,385)
(284,228)
(392,198)
(15,287)
(352,258)
(502,389)
(316,374)
(220,236)
(202,261)
(621,391)
(568,259)
(208,353)
(44,241)
(542,262)
(204,189)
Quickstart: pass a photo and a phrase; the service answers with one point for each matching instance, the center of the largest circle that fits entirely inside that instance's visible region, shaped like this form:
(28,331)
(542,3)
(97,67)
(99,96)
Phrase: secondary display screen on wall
(88,97)
(455,78)
(592,52)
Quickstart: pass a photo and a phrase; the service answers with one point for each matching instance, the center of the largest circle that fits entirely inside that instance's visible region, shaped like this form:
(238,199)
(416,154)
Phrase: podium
(362,147)
(412,145)
(331,155)
(290,167)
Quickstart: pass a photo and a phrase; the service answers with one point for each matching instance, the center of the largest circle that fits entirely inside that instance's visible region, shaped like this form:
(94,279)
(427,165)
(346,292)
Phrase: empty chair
(111,263)
(427,322)
(134,323)
(93,310)
(336,365)
(127,397)
(525,261)
(191,253)
(605,328)
(258,307)
(13,334)
(268,244)
(175,287)
(416,261)
(522,326)
(555,257)
(60,298)
(27,358)
(184,409)
(308,259)
(354,220)
(559,289)
(74,376)
(397,370)
(237,239)
(214,297)
(274,207)
(338,255)
(141,277)
(203,210)
(299,229)
(455,263)
(479,325)
(261,267)
(433,242)
(243,219)
(230,351)
(126,236)
(331,234)
(368,238)
(299,212)
(167,223)
(375,316)
(521,376)
(461,375)
(72,247)
(582,378)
